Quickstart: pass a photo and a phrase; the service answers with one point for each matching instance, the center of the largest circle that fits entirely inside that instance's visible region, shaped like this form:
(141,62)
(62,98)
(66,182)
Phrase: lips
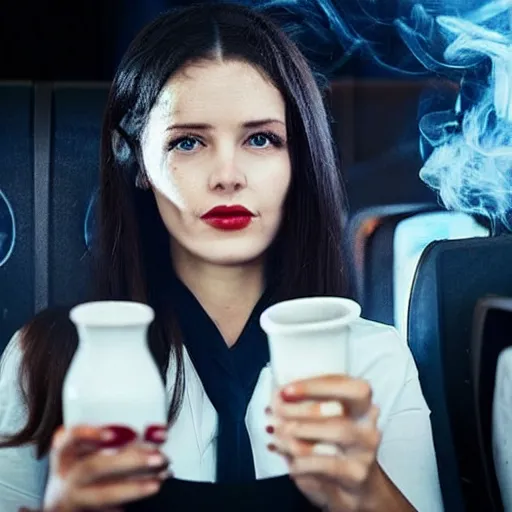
(228,218)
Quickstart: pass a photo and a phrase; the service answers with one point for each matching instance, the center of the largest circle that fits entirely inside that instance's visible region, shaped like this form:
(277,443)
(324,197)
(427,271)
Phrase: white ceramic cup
(308,337)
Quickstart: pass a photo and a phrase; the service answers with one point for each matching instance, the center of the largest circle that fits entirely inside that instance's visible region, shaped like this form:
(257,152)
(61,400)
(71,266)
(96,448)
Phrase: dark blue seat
(451,277)
(16,208)
(49,169)
(75,156)
(370,238)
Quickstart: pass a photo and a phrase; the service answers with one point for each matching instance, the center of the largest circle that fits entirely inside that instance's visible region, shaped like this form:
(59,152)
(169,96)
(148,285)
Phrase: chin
(233,254)
(232,259)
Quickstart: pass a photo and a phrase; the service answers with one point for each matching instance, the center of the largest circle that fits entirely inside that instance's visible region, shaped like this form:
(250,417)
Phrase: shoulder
(32,370)
(25,486)
(375,343)
(379,355)
(12,354)
(12,403)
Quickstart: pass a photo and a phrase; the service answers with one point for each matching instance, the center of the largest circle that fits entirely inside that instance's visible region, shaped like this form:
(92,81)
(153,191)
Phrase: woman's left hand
(326,428)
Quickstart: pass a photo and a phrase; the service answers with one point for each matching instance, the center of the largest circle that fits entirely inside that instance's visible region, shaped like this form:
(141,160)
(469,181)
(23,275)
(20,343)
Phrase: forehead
(217,91)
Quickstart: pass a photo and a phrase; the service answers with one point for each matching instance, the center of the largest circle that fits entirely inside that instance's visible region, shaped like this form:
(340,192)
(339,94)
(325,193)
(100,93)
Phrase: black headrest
(451,276)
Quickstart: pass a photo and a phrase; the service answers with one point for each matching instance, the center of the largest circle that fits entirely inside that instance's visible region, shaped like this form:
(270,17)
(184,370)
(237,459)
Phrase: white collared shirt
(376,354)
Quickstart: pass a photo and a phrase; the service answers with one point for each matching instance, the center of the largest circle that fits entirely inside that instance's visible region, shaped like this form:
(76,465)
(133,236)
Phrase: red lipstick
(228,218)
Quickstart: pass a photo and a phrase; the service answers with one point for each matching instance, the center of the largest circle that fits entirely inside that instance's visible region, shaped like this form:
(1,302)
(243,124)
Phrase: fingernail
(269,429)
(107,435)
(325,449)
(121,436)
(272,447)
(332,408)
(156,434)
(155,460)
(164,475)
(288,393)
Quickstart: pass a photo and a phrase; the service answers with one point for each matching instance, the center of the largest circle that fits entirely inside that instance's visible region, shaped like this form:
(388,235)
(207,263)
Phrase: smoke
(470,163)
(467,149)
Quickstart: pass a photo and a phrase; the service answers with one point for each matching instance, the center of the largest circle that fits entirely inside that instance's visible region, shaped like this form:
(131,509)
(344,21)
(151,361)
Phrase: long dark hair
(133,244)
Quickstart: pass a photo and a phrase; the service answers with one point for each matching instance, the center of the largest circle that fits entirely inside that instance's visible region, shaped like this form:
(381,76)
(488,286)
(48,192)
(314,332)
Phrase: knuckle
(376,439)
(299,448)
(358,473)
(58,439)
(336,467)
(347,502)
(352,503)
(86,467)
(291,428)
(366,391)
(105,494)
(342,435)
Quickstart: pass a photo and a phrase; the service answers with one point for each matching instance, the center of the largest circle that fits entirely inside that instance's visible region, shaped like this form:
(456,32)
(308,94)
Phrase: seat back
(49,151)
(362,241)
(451,277)
(76,132)
(16,208)
(379,276)
(491,335)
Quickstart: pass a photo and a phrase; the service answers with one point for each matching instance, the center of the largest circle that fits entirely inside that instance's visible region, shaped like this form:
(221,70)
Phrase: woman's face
(216,154)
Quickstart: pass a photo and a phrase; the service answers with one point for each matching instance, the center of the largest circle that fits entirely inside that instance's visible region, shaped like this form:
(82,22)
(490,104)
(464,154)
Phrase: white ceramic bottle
(113,379)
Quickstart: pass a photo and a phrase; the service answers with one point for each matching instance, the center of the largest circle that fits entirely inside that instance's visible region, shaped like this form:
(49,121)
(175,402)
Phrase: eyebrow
(204,126)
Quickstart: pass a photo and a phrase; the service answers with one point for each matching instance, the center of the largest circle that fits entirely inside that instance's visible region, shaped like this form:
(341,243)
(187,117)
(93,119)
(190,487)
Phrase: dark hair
(132,239)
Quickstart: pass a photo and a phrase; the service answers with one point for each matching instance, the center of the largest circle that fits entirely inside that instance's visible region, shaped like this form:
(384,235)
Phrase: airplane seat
(50,148)
(370,234)
(77,116)
(452,275)
(17,221)
(492,324)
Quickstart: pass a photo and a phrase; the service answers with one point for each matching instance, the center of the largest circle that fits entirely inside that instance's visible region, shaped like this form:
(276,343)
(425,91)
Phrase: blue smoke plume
(467,149)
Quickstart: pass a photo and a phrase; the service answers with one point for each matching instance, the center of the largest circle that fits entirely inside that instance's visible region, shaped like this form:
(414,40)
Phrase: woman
(220,194)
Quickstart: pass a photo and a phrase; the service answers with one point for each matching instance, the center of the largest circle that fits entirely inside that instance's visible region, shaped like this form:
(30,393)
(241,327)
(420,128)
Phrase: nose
(227,178)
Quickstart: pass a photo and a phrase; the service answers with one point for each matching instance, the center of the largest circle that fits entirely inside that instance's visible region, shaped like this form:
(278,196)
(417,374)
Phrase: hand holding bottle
(82,475)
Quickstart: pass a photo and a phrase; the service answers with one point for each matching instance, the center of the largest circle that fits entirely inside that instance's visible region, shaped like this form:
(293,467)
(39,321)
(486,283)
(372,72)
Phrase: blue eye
(259,140)
(185,144)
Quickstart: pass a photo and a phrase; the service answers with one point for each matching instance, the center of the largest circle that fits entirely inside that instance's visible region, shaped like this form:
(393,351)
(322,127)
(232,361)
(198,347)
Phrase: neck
(227,293)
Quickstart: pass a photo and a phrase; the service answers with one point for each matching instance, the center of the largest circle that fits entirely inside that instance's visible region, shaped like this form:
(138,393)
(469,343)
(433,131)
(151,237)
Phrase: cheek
(275,188)
(177,218)
(183,189)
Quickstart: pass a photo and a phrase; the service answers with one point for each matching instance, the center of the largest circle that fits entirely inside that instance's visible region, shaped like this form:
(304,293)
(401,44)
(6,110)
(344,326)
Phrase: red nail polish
(121,436)
(156,434)
(270,429)
(288,394)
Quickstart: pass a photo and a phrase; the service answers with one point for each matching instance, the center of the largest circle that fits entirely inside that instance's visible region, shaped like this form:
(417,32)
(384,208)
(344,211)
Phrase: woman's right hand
(84,477)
